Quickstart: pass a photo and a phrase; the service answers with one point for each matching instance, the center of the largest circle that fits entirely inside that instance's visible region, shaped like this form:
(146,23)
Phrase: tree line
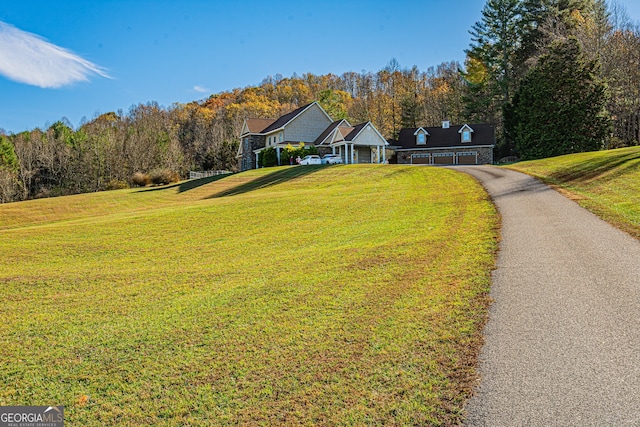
(554,76)
(109,150)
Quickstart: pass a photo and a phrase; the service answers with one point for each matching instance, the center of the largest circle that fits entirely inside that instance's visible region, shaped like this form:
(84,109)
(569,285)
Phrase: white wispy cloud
(201,89)
(29,58)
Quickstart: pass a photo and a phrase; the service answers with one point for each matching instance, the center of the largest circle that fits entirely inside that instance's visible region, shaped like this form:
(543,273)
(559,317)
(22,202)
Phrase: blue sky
(92,57)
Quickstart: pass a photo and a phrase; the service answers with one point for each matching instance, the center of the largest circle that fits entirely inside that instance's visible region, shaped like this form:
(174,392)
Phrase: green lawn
(345,295)
(605,182)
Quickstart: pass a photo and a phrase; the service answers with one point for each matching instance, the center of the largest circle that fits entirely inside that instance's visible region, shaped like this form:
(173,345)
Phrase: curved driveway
(562,344)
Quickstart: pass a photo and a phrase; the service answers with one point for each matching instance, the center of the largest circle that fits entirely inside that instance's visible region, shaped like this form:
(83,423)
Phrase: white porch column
(257,166)
(384,154)
(346,154)
(353,153)
(278,153)
(378,154)
(333,149)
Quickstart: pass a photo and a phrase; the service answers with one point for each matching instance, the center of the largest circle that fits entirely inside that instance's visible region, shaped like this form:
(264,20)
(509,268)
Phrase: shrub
(43,193)
(116,184)
(269,157)
(164,176)
(141,179)
(616,142)
(299,151)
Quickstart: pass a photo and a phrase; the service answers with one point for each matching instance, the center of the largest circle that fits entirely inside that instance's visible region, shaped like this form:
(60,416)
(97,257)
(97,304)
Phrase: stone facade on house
(250,142)
(435,156)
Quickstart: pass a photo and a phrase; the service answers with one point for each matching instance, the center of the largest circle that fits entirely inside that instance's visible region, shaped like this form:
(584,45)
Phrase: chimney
(445,124)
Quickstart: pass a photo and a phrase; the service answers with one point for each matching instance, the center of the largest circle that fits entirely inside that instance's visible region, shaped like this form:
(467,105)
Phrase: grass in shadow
(597,168)
(274,178)
(187,185)
(195,183)
(605,182)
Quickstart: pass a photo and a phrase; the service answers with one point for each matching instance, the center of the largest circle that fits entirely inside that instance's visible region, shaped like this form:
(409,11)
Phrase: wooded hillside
(506,75)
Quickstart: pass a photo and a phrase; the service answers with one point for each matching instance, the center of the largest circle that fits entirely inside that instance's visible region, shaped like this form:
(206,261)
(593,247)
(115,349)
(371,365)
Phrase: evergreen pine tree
(410,111)
(490,73)
(559,107)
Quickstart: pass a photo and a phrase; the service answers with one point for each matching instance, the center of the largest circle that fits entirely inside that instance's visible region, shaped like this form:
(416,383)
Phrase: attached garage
(420,159)
(443,158)
(468,158)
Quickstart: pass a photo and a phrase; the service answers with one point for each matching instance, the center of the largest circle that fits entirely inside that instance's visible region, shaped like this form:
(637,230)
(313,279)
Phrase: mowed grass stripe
(605,182)
(120,202)
(344,295)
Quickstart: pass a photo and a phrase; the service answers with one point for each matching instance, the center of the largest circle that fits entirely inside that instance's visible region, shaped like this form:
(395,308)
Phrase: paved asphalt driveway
(563,338)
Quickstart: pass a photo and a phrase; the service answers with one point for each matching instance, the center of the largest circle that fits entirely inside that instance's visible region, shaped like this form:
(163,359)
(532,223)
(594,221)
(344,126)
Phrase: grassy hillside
(605,182)
(320,295)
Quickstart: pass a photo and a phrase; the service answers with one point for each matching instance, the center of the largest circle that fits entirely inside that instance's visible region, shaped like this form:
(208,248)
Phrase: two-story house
(311,125)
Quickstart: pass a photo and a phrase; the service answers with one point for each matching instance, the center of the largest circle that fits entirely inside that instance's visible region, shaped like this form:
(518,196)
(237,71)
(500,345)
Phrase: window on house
(421,138)
(281,136)
(466,136)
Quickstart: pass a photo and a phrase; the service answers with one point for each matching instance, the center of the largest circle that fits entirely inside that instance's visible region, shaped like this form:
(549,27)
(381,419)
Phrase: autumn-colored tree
(444,96)
(335,102)
(622,71)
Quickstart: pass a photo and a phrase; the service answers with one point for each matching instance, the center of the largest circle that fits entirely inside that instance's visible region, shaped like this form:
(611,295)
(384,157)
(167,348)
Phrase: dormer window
(465,133)
(421,136)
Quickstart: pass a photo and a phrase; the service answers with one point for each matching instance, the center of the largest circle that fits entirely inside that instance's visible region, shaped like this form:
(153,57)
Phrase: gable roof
(483,134)
(465,126)
(359,128)
(354,131)
(328,131)
(283,120)
(264,126)
(342,132)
